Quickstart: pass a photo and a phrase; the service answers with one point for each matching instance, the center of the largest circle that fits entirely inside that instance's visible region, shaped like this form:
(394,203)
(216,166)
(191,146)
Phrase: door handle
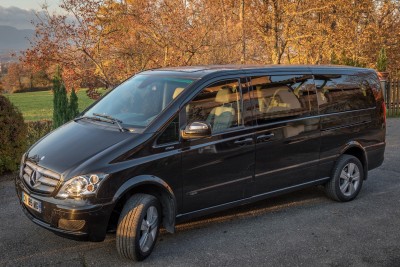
(244,141)
(264,137)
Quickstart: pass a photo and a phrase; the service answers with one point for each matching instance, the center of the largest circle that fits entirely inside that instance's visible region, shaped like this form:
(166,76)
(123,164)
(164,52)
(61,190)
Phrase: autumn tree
(13,78)
(102,42)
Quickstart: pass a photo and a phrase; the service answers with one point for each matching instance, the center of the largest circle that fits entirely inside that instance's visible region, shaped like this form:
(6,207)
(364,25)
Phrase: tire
(346,179)
(138,227)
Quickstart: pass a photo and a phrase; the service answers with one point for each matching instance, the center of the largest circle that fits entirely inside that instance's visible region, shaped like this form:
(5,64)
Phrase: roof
(203,70)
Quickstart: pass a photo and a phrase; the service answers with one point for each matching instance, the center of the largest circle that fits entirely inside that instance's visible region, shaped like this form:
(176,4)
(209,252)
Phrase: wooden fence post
(392,97)
(397,98)
(388,87)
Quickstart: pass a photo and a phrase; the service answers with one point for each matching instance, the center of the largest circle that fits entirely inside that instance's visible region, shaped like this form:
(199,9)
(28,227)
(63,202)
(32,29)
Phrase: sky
(20,13)
(29,4)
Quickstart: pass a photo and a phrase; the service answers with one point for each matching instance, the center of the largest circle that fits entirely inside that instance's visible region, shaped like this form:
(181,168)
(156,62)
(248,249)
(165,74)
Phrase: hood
(73,144)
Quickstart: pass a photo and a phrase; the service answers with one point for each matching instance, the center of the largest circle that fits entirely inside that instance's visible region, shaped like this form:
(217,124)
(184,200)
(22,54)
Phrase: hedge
(13,134)
(37,129)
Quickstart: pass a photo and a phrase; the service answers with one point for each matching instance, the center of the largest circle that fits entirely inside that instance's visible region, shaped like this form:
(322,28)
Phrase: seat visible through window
(217,104)
(223,117)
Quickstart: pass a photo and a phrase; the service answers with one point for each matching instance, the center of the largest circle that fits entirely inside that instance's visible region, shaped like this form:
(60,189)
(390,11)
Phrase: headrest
(177,92)
(223,95)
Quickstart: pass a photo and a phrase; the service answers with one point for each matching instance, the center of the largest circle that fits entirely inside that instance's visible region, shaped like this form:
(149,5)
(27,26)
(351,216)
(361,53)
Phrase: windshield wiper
(108,119)
(112,119)
(90,118)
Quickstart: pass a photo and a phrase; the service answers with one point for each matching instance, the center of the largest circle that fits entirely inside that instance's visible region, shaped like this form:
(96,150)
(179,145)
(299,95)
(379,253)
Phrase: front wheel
(346,180)
(138,227)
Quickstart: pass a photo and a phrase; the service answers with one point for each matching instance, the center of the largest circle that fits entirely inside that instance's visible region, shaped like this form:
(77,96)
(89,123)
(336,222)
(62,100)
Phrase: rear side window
(218,104)
(337,93)
(283,97)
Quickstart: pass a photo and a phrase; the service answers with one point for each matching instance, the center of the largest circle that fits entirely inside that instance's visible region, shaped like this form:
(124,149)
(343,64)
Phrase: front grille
(39,179)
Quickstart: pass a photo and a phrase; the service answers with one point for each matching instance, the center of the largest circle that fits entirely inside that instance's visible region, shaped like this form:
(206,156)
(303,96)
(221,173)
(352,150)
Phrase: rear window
(337,93)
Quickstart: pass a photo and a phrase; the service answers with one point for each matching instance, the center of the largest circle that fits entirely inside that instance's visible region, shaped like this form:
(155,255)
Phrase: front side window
(283,97)
(218,104)
(137,101)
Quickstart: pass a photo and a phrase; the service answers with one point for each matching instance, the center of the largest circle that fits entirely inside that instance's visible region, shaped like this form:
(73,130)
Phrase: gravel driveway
(298,229)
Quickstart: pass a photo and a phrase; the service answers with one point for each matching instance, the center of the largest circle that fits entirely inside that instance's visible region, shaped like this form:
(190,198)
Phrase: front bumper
(93,218)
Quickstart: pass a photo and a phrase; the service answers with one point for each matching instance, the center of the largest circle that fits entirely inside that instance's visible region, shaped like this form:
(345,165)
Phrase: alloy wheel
(148,229)
(349,179)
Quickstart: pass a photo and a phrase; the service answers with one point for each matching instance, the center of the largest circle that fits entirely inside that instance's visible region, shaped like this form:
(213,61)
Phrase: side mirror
(196,129)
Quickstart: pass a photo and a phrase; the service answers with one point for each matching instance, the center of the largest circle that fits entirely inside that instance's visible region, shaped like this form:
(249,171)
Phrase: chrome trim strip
(348,111)
(253,198)
(344,126)
(288,168)
(193,147)
(328,158)
(195,192)
(207,164)
(319,116)
(377,144)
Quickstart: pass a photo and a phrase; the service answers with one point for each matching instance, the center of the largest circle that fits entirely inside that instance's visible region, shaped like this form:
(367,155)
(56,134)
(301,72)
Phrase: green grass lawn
(39,105)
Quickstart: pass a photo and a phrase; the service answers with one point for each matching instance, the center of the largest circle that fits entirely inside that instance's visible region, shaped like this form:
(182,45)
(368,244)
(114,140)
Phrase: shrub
(13,136)
(73,109)
(382,61)
(346,60)
(38,129)
(64,110)
(60,101)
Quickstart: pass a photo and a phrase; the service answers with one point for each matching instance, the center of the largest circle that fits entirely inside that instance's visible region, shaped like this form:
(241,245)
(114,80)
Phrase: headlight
(83,185)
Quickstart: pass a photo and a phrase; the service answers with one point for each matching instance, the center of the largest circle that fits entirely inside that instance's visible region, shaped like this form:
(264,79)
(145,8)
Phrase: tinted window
(283,97)
(338,93)
(171,133)
(218,104)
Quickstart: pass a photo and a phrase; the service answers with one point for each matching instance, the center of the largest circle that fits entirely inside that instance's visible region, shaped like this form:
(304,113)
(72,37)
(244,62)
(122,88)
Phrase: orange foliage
(102,42)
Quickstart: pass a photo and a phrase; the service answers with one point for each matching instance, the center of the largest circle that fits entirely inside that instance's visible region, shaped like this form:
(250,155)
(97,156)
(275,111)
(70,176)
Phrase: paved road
(299,229)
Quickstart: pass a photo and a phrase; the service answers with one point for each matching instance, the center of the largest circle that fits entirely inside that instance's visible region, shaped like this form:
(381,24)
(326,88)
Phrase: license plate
(31,202)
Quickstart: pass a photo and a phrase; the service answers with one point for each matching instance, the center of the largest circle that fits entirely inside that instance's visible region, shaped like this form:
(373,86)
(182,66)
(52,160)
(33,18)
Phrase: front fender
(156,185)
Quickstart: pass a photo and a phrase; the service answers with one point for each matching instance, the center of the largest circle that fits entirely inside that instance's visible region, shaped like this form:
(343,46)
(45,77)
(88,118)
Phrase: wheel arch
(355,149)
(152,185)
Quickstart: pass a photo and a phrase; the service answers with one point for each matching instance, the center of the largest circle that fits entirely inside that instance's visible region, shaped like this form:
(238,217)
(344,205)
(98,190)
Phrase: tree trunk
(241,18)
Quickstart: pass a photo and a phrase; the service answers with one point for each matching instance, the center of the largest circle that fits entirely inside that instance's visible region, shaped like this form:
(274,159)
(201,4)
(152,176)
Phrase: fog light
(71,225)
(94,179)
(91,188)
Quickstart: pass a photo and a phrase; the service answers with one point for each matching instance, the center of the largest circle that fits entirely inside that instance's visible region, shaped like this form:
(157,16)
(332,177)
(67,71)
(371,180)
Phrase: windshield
(137,101)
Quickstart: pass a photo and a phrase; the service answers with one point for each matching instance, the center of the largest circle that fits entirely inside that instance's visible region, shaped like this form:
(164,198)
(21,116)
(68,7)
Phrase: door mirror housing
(196,129)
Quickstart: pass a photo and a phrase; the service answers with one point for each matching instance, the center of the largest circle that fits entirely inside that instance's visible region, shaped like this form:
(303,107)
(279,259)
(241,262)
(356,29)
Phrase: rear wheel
(138,227)
(346,179)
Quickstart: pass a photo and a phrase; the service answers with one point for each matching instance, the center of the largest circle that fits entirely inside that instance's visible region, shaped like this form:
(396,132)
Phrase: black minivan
(170,144)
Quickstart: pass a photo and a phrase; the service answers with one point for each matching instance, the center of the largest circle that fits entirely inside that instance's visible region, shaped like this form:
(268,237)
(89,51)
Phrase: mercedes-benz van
(170,144)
